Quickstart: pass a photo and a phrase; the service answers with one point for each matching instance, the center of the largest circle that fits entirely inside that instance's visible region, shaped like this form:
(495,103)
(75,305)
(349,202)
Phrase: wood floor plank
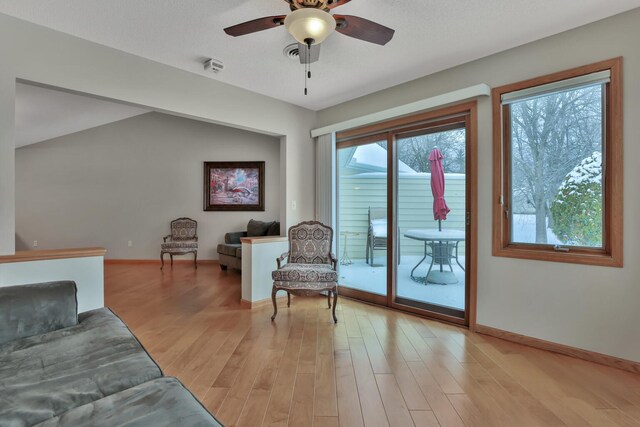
(302,369)
(193,361)
(468,410)
(398,365)
(254,408)
(538,384)
(282,391)
(351,322)
(349,411)
(440,405)
(394,404)
(325,422)
(203,381)
(326,401)
(213,399)
(377,358)
(534,409)
(239,392)
(424,419)
(309,349)
(302,406)
(370,399)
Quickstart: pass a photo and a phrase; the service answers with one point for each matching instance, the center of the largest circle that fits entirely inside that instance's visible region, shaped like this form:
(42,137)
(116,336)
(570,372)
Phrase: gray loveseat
(230,252)
(61,368)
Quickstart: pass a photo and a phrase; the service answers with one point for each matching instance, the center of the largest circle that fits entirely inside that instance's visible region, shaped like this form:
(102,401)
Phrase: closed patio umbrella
(440,208)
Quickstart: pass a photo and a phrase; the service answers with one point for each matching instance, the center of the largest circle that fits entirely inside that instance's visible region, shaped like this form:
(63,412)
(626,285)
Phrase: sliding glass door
(362,218)
(432,221)
(404,215)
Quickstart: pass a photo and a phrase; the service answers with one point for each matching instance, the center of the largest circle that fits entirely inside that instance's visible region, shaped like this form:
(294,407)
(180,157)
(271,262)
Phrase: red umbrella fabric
(440,208)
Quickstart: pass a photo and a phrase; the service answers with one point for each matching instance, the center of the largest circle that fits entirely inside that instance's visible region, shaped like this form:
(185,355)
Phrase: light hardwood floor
(374,368)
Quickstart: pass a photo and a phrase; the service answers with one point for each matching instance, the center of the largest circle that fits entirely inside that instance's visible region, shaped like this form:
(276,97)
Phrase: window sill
(546,254)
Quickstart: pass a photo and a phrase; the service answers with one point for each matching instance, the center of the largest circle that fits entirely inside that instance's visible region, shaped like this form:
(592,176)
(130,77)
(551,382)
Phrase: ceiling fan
(310,23)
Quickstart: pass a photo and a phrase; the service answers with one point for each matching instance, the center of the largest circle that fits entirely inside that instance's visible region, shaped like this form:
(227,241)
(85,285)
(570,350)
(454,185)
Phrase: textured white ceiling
(42,114)
(431,35)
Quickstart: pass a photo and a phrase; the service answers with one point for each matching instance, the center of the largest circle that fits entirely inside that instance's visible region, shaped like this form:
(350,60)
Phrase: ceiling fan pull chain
(307,65)
(305,79)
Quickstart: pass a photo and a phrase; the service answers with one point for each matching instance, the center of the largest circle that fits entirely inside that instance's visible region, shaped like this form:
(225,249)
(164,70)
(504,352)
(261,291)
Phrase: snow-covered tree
(577,208)
(550,135)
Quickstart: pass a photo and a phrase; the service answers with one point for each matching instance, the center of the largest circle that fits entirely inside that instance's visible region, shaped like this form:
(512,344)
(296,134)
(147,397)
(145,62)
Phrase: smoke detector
(213,65)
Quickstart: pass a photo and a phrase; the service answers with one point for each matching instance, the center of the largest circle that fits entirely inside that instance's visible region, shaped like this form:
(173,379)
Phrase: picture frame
(234,186)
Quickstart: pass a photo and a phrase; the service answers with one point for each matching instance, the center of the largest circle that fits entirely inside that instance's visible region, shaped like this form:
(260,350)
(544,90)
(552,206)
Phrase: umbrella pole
(440,248)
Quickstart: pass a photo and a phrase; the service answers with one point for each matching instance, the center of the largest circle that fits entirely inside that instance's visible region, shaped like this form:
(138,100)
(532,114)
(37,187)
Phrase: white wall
(257,265)
(7,153)
(126,180)
(87,272)
(593,308)
(41,55)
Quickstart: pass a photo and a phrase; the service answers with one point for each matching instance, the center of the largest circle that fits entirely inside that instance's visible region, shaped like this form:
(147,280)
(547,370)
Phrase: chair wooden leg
(195,259)
(161,260)
(335,301)
(288,299)
(329,298)
(275,306)
(171,255)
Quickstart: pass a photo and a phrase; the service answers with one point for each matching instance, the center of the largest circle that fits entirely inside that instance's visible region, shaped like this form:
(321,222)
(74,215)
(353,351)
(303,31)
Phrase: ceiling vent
(213,65)
(292,52)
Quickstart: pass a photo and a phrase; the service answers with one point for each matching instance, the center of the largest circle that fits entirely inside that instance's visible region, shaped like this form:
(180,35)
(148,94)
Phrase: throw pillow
(274,229)
(257,228)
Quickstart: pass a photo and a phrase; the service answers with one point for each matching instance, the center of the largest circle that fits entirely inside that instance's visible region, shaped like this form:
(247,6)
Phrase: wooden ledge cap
(41,255)
(263,239)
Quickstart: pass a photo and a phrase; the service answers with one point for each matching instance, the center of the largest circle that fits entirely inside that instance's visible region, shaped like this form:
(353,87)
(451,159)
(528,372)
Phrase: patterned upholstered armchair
(311,267)
(182,240)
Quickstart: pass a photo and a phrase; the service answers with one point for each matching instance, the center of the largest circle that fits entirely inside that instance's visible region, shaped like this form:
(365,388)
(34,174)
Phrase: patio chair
(182,240)
(311,267)
(377,233)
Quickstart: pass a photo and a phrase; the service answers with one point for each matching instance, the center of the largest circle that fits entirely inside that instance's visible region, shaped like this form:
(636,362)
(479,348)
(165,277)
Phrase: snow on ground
(365,277)
(524,230)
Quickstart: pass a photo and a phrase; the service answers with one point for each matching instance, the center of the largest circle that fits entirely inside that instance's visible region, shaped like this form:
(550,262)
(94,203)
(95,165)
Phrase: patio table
(444,246)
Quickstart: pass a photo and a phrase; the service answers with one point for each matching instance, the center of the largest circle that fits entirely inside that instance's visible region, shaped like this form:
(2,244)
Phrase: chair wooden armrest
(334,261)
(282,258)
(164,239)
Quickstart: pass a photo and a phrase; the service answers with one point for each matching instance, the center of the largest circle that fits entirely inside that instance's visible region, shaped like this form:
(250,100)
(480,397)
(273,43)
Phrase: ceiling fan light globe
(310,24)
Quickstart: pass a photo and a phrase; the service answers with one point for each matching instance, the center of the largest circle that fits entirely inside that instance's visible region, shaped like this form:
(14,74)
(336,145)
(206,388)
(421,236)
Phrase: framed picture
(233,186)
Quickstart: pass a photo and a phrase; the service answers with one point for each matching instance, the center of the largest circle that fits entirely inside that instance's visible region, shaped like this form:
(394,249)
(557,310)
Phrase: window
(558,167)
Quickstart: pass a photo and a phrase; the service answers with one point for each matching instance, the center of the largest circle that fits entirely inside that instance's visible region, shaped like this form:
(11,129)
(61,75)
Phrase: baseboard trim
(590,356)
(157,261)
(261,303)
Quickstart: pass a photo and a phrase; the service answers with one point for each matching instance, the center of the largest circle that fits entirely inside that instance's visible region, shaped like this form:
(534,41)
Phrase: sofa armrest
(28,310)
(234,237)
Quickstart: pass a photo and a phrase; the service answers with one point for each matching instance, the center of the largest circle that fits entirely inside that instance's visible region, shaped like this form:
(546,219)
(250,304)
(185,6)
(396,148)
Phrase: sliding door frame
(465,112)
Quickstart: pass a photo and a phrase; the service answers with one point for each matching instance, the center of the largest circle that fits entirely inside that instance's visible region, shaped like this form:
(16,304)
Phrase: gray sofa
(230,252)
(60,368)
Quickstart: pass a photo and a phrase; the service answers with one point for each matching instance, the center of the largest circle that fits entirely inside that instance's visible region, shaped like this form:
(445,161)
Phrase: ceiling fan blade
(335,3)
(363,29)
(311,56)
(256,25)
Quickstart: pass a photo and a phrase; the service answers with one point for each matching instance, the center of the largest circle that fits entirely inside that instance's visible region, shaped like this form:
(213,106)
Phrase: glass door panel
(362,219)
(431,247)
